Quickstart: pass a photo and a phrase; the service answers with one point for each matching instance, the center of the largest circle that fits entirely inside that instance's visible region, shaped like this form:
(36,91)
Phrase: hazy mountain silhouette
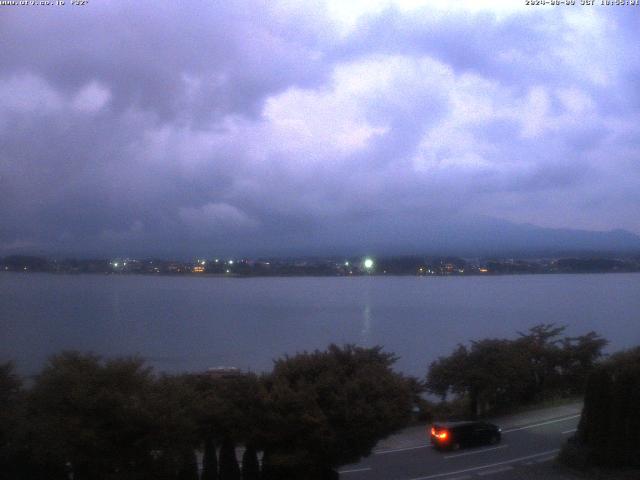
(480,236)
(500,236)
(489,236)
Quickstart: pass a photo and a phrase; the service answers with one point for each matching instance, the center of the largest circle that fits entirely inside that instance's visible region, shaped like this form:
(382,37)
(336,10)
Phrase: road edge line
(557,420)
(506,462)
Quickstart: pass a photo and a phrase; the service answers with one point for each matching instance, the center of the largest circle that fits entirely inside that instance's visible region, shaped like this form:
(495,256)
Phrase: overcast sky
(250,127)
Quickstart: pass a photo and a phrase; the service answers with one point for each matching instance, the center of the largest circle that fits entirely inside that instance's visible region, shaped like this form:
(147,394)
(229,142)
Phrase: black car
(454,435)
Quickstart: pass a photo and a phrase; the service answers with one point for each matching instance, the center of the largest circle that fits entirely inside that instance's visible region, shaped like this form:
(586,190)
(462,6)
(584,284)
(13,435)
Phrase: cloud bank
(274,127)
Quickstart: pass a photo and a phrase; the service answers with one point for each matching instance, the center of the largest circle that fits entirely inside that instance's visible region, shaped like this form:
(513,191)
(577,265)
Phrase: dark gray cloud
(242,127)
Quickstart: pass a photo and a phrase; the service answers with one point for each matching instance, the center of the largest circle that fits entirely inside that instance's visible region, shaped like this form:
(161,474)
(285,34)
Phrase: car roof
(459,424)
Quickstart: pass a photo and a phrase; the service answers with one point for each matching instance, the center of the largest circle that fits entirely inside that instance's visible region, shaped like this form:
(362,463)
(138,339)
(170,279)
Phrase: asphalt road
(529,440)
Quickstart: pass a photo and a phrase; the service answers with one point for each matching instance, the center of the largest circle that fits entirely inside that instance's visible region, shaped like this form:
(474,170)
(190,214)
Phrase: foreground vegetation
(91,418)
(115,419)
(496,375)
(609,430)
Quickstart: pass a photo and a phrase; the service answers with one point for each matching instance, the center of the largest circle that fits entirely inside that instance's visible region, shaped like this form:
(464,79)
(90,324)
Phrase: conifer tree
(250,465)
(209,460)
(229,468)
(188,466)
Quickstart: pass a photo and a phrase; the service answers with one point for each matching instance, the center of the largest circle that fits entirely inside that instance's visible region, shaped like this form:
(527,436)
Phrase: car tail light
(442,434)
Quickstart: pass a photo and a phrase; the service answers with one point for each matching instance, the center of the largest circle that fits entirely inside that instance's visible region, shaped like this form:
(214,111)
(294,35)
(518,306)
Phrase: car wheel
(455,446)
(494,439)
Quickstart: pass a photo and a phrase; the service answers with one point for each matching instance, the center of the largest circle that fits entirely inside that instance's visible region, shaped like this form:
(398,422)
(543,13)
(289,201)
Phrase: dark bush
(574,455)
(609,429)
(209,460)
(229,468)
(250,465)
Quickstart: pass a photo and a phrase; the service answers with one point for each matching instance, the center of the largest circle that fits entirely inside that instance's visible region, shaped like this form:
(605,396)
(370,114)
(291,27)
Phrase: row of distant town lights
(217,260)
(368,263)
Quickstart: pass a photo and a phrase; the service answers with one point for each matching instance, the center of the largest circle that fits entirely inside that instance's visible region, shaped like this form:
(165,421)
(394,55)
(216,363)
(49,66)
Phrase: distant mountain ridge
(531,237)
(490,236)
(499,236)
(467,237)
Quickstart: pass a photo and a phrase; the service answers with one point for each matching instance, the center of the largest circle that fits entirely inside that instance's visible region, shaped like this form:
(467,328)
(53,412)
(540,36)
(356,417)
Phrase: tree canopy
(328,408)
(609,429)
(497,373)
(101,419)
(91,415)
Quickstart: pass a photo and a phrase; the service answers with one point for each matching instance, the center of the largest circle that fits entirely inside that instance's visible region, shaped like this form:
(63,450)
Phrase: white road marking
(513,460)
(355,470)
(569,431)
(542,460)
(495,470)
(384,452)
(473,452)
(541,424)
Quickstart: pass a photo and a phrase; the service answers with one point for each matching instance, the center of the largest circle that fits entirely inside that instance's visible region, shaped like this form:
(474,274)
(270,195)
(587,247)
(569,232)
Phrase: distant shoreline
(415,266)
(376,275)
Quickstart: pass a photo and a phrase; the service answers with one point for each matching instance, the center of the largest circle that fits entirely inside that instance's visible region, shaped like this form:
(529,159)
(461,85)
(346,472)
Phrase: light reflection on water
(365,333)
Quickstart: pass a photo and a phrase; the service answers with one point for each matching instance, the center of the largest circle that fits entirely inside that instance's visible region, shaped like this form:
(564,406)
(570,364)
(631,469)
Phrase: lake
(191,323)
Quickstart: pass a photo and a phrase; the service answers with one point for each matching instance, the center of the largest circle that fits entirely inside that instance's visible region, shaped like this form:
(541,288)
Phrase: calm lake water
(187,323)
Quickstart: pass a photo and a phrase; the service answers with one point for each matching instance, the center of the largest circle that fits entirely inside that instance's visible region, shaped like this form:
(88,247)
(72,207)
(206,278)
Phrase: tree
(229,468)
(90,415)
(172,405)
(329,408)
(250,465)
(209,460)
(228,408)
(10,392)
(269,471)
(541,346)
(609,428)
(189,466)
(494,374)
(446,375)
(10,385)
(489,374)
(594,425)
(579,356)
(104,419)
